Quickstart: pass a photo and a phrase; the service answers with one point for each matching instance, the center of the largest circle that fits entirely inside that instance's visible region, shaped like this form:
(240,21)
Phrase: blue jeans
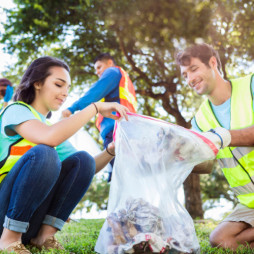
(40,189)
(107,140)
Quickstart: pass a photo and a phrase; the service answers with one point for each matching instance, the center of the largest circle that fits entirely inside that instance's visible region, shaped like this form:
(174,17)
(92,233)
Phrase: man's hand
(66,113)
(221,137)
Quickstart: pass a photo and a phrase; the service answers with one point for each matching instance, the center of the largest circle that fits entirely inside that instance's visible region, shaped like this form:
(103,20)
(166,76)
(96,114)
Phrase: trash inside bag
(153,160)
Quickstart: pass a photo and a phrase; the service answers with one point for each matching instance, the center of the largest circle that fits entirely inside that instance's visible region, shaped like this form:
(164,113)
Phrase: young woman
(42,177)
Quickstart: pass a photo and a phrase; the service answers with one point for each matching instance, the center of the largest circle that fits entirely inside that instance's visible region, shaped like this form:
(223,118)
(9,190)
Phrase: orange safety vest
(127,95)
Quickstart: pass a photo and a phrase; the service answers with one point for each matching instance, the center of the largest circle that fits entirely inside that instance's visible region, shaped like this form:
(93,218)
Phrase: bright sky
(5,58)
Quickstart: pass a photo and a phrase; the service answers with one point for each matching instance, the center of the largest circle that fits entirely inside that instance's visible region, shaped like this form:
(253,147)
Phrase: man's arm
(204,167)
(105,85)
(242,137)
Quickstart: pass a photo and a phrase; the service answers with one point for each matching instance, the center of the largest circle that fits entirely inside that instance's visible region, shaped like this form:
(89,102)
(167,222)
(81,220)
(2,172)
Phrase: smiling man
(114,85)
(229,104)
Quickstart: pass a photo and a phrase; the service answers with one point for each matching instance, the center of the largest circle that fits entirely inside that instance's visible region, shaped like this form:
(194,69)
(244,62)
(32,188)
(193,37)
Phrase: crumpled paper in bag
(153,158)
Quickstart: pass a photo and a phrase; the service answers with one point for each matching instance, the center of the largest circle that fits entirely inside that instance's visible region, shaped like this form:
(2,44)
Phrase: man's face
(2,91)
(199,76)
(101,66)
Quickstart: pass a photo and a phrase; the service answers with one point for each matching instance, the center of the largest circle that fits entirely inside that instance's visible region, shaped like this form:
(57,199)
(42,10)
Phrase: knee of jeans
(86,161)
(47,153)
(48,159)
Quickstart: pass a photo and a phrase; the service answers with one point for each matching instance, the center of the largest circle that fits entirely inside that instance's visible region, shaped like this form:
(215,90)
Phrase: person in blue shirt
(6,92)
(112,81)
(229,104)
(42,177)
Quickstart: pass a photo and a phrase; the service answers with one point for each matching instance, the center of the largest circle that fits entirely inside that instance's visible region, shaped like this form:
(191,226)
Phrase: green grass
(81,237)
(77,237)
(203,231)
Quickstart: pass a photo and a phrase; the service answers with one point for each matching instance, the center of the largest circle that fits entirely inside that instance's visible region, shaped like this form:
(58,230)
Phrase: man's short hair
(201,51)
(5,82)
(104,57)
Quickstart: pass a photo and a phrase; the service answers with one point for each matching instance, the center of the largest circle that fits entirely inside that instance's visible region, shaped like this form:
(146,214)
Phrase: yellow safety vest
(18,148)
(237,163)
(1,106)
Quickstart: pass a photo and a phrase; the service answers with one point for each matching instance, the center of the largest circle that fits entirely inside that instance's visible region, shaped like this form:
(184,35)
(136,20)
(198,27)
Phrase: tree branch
(131,61)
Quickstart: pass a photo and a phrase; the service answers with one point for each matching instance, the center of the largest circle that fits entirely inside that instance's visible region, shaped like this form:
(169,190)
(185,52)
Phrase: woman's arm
(40,133)
(104,157)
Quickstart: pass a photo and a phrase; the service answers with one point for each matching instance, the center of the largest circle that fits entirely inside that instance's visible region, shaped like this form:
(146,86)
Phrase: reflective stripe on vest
(18,148)
(237,162)
(246,189)
(127,95)
(127,92)
(238,152)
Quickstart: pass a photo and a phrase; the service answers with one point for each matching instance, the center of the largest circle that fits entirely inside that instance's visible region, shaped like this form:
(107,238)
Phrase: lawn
(81,236)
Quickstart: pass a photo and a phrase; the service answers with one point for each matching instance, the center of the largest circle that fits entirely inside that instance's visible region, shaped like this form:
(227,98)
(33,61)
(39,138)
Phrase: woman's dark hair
(38,71)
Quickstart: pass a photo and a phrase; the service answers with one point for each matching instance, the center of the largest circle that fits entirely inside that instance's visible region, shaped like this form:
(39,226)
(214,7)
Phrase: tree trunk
(193,202)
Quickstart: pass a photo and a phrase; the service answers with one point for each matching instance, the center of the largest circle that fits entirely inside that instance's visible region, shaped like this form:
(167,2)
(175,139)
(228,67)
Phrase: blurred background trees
(143,36)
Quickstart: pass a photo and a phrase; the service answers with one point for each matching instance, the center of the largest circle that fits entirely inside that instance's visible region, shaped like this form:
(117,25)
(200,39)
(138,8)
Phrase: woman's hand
(103,158)
(106,109)
(111,148)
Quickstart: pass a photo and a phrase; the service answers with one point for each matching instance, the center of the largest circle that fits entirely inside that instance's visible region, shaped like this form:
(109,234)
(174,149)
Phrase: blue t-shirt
(15,115)
(106,87)
(222,112)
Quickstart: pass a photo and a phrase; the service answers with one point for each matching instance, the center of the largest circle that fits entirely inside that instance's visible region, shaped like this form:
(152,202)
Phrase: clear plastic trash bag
(153,160)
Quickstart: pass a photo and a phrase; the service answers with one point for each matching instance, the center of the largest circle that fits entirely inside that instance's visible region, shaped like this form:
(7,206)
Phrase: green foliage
(77,31)
(215,186)
(142,37)
(97,194)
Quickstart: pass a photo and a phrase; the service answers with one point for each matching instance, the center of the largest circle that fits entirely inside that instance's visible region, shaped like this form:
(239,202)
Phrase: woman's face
(53,92)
